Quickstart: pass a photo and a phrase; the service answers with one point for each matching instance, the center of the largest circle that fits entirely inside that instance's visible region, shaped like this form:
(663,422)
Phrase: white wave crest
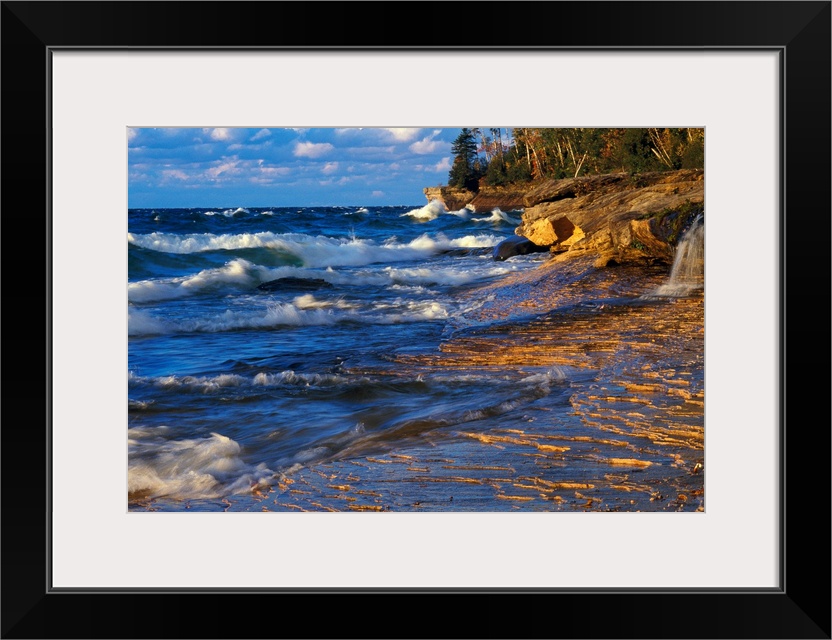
(140,322)
(424,276)
(276,314)
(190,469)
(546,378)
(237,274)
(300,379)
(497,216)
(313,251)
(279,314)
(309,301)
(403,311)
(209,384)
(430,211)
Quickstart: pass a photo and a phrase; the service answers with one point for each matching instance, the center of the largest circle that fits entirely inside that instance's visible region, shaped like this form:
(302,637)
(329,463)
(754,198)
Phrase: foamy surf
(430,211)
(287,372)
(223,382)
(304,311)
(313,251)
(199,468)
(497,217)
(228,213)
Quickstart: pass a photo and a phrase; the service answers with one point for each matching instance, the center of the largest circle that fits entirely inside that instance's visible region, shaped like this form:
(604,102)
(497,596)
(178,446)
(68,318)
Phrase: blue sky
(264,167)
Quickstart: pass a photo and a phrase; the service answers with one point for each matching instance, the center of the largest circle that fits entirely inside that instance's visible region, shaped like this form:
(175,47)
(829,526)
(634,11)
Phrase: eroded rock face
(621,218)
(485,200)
(454,199)
(503,198)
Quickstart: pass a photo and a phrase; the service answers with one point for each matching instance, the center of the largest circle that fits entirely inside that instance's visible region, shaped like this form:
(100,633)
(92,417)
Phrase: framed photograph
(441,317)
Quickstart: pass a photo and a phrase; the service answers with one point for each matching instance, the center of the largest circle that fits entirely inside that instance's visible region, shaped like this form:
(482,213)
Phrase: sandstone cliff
(485,200)
(620,218)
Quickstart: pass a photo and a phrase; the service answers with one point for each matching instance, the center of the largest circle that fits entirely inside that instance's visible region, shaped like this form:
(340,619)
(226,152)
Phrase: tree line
(497,156)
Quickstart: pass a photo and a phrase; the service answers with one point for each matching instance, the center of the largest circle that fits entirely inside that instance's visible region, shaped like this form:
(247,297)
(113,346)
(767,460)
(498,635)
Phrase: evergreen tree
(465,171)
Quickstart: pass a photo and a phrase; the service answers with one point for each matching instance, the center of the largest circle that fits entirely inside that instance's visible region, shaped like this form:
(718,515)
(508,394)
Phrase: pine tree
(465,170)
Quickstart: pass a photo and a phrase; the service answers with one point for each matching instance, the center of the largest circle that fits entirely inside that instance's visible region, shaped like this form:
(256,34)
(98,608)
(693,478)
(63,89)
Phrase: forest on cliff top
(504,156)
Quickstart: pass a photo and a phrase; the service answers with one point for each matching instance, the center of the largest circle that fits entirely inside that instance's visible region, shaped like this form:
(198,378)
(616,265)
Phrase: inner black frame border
(799,608)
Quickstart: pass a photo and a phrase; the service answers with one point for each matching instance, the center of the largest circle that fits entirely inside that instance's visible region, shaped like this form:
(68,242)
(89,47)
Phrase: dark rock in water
(468,251)
(295,284)
(516,246)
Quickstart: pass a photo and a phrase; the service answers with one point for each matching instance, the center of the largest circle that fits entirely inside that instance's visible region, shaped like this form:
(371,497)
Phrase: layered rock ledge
(619,218)
(485,200)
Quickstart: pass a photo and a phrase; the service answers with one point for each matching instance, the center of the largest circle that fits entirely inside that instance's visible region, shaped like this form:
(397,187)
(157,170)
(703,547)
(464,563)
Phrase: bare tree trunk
(526,142)
(484,144)
(580,164)
(659,148)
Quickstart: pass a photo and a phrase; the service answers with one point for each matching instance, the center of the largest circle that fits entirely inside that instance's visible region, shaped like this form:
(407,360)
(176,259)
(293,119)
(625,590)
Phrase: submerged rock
(295,284)
(516,246)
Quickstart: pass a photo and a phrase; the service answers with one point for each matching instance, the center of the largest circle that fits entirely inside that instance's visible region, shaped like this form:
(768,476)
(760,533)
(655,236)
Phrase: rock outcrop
(453,198)
(621,218)
(485,200)
(516,246)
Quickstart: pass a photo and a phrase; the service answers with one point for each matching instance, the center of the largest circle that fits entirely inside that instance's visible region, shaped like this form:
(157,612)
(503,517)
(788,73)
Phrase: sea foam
(497,217)
(312,251)
(195,468)
(430,211)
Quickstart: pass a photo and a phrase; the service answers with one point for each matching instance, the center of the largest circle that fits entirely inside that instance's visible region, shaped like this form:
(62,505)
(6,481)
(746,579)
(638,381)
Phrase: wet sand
(632,438)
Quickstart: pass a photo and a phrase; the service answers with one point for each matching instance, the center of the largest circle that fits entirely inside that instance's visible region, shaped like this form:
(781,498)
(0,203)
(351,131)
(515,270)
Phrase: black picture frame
(799,608)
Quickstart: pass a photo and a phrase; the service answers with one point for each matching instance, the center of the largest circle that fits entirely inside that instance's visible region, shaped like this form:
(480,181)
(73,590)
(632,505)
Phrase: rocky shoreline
(618,218)
(631,359)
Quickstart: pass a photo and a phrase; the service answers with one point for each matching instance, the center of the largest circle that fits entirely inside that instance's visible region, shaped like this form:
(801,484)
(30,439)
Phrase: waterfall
(688,271)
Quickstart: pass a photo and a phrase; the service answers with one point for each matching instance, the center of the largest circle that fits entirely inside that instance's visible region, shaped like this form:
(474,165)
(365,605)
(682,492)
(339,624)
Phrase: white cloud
(275,171)
(263,133)
(377,194)
(443,165)
(427,144)
(424,146)
(403,134)
(312,149)
(330,167)
(131,134)
(175,174)
(221,134)
(229,168)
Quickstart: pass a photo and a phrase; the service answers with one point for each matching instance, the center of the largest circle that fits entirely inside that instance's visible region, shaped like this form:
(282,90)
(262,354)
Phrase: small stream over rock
(688,272)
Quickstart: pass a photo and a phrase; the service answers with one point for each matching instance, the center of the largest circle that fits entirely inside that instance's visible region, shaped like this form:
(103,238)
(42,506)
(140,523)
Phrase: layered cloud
(223,134)
(312,149)
(429,144)
(260,135)
(276,166)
